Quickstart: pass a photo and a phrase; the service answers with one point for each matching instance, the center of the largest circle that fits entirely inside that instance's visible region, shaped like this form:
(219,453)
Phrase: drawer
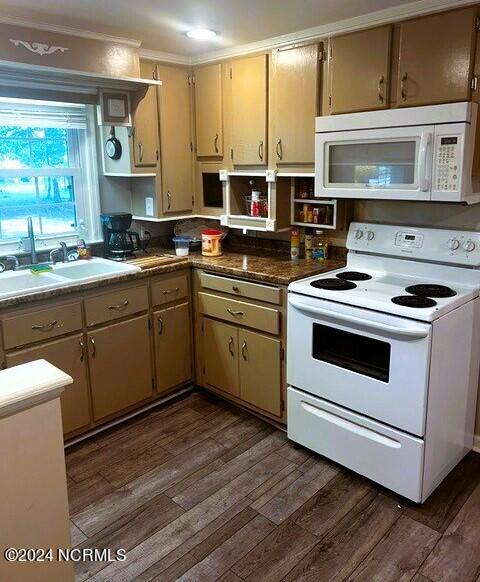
(116,304)
(241,288)
(168,289)
(247,314)
(41,325)
(385,455)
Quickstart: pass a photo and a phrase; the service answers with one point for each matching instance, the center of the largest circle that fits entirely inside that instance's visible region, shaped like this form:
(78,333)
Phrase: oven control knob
(453,244)
(468,246)
(358,234)
(370,235)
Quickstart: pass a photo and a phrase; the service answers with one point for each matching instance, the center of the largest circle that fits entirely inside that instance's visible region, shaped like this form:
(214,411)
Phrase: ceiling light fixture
(201,34)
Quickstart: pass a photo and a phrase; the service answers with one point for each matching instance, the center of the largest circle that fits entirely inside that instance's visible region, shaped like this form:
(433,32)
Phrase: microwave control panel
(447,163)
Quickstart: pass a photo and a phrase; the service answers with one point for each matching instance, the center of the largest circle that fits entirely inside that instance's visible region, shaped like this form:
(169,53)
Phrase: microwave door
(388,164)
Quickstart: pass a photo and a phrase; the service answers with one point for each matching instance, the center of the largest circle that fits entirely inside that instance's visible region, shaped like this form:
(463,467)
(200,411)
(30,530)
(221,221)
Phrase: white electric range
(383,355)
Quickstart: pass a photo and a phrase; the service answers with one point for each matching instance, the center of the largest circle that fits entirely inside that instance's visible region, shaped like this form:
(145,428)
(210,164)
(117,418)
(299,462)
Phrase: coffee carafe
(119,243)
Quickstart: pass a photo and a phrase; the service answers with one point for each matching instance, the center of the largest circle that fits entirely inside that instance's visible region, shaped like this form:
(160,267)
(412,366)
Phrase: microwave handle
(410,333)
(422,161)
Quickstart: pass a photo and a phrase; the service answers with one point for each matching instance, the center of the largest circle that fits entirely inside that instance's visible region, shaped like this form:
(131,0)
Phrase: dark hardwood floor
(201,490)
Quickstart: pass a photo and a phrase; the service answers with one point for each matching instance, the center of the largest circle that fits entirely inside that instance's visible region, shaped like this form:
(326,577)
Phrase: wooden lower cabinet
(69,355)
(220,347)
(260,370)
(173,354)
(120,366)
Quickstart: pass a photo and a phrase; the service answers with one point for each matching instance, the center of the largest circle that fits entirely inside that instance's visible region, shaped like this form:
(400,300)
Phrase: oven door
(392,163)
(369,362)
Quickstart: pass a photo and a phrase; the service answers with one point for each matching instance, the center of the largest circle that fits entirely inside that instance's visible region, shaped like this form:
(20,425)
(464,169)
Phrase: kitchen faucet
(31,238)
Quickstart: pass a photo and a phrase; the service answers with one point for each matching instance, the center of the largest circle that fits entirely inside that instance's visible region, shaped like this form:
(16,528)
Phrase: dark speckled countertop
(261,265)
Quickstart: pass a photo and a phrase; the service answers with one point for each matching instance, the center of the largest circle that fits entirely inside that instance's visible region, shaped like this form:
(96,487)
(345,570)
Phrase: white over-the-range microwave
(417,153)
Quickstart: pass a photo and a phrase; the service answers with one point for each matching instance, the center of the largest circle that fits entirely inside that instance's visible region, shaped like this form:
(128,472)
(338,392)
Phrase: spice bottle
(295,243)
(320,246)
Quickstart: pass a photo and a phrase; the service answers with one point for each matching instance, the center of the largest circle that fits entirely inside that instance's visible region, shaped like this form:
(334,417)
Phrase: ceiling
(160,24)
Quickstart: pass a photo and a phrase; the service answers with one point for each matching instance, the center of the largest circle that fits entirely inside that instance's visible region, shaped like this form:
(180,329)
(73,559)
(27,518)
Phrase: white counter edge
(27,385)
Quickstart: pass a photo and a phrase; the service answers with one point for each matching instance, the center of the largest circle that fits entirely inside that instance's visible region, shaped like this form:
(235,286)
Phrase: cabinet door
(120,366)
(260,371)
(69,355)
(295,74)
(435,61)
(359,70)
(175,139)
(249,110)
(145,124)
(208,111)
(220,349)
(172,346)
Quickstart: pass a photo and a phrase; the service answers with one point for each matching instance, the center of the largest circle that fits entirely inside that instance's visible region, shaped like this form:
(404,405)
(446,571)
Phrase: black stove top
(354,276)
(333,284)
(418,301)
(431,290)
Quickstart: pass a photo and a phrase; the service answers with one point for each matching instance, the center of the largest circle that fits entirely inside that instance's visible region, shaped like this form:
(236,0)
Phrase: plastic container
(182,245)
(212,242)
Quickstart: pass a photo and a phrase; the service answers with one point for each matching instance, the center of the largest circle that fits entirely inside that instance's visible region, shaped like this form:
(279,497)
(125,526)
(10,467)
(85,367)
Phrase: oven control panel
(439,245)
(447,163)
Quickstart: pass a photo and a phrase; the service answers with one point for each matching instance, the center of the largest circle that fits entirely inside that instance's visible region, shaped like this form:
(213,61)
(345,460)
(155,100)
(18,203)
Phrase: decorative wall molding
(34,24)
(39,48)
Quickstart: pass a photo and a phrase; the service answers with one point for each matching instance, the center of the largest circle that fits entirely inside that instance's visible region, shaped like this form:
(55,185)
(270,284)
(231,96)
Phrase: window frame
(82,146)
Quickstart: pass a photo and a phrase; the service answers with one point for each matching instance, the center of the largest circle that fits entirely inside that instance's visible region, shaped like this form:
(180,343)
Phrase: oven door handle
(405,332)
(422,161)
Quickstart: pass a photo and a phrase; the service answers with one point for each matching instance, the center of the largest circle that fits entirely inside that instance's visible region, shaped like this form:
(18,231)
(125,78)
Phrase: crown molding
(371,19)
(164,57)
(69,31)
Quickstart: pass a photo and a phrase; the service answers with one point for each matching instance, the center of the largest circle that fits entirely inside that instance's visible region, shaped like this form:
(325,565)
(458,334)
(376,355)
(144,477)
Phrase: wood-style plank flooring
(201,490)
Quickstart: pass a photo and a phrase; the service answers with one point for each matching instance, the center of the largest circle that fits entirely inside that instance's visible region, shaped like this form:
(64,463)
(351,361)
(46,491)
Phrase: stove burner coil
(414,301)
(353,276)
(431,290)
(333,284)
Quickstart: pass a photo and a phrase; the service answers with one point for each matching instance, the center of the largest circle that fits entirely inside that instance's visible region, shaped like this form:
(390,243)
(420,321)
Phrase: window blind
(29,113)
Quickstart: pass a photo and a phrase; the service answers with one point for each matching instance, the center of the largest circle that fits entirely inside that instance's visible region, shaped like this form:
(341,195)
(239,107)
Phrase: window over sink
(48,171)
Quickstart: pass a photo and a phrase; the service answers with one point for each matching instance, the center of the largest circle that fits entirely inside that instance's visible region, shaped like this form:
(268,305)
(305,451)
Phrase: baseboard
(476,443)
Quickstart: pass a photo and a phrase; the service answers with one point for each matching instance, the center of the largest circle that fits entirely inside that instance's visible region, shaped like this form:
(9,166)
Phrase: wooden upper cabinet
(294,103)
(249,110)
(208,111)
(359,70)
(436,58)
(145,124)
(175,138)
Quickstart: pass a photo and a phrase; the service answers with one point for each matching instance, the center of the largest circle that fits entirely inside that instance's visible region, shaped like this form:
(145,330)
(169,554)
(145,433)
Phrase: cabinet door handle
(160,325)
(403,91)
(45,326)
(381,81)
(260,151)
(230,346)
(169,200)
(279,149)
(119,306)
(215,143)
(82,349)
(234,313)
(244,351)
(140,152)
(169,291)
(94,347)
(236,289)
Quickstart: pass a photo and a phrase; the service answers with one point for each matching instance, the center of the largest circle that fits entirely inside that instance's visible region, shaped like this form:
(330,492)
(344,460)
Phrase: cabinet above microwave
(420,153)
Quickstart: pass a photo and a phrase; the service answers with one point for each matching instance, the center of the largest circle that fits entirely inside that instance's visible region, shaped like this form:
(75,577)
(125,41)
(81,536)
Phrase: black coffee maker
(119,243)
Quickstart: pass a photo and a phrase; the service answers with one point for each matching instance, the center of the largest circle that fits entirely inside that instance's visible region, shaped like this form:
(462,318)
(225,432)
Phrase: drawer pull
(45,326)
(160,325)
(82,350)
(230,346)
(234,313)
(119,306)
(94,347)
(244,351)
(236,289)
(169,291)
